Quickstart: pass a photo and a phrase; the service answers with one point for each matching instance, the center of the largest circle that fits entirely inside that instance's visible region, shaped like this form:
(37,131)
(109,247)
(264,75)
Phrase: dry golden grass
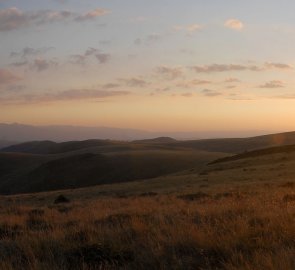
(246,228)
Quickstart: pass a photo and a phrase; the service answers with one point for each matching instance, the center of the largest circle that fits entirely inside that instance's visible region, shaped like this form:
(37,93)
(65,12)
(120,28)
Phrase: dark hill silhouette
(227,145)
(157,140)
(49,147)
(5,143)
(82,170)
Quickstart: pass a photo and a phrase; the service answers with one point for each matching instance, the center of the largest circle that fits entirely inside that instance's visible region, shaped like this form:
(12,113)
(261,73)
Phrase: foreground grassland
(245,227)
(233,215)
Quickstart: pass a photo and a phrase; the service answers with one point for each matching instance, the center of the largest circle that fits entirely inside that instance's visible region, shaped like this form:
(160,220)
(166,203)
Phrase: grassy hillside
(46,165)
(238,145)
(258,153)
(229,216)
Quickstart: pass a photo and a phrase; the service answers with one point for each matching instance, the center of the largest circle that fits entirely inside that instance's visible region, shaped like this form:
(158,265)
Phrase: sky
(157,65)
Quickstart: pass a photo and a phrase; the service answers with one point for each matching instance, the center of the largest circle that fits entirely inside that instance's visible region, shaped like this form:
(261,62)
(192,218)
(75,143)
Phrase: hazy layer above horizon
(21,133)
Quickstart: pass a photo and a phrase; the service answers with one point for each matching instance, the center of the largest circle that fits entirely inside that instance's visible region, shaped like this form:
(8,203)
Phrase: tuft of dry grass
(229,229)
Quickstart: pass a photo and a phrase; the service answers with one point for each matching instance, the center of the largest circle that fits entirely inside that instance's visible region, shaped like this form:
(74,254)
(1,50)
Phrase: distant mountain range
(6,143)
(23,133)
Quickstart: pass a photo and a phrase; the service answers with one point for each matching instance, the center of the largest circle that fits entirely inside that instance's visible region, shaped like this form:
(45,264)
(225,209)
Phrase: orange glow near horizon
(161,114)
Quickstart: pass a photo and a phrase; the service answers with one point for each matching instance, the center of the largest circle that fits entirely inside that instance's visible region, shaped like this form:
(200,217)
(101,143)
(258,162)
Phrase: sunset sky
(158,65)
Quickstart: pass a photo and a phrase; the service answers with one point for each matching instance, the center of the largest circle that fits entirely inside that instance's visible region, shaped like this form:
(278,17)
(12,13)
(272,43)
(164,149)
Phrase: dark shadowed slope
(94,169)
(95,162)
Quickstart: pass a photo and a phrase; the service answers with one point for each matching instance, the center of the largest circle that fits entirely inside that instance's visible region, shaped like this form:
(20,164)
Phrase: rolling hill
(50,166)
(49,147)
(46,165)
(238,145)
(227,145)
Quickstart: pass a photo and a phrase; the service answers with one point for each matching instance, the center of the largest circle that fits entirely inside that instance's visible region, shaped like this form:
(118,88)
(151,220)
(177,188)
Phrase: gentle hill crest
(50,147)
(157,140)
(239,145)
(286,149)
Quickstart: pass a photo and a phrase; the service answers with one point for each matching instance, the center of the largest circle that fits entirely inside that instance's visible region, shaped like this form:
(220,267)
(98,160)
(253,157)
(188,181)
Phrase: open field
(230,215)
(241,227)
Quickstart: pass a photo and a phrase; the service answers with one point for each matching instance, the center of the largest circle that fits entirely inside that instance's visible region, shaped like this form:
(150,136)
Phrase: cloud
(283,66)
(16,88)
(232,80)
(138,41)
(60,1)
(164,89)
(92,15)
(81,59)
(210,93)
(19,64)
(231,86)
(236,97)
(42,64)
(234,24)
(28,51)
(153,37)
(273,84)
(134,82)
(33,58)
(193,83)
(78,59)
(237,67)
(138,19)
(187,95)
(103,57)
(105,42)
(14,18)
(149,39)
(86,94)
(7,77)
(187,51)
(91,51)
(193,28)
(190,29)
(67,95)
(110,85)
(170,73)
(224,67)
